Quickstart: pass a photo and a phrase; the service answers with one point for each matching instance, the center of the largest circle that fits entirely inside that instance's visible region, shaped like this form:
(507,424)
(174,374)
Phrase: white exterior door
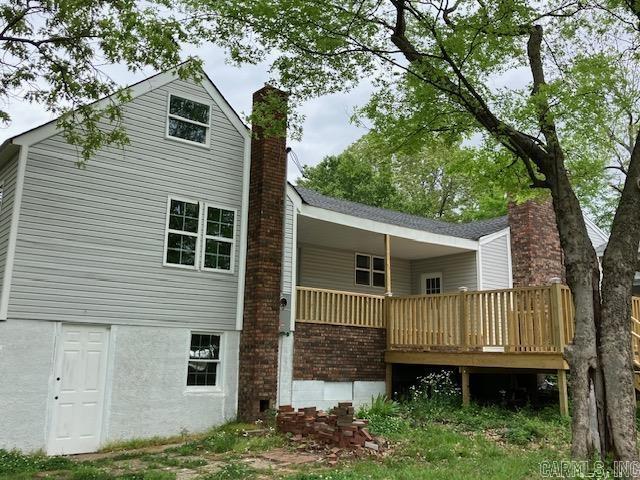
(77,398)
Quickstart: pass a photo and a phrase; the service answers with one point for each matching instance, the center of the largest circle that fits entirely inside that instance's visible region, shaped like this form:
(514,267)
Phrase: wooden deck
(519,328)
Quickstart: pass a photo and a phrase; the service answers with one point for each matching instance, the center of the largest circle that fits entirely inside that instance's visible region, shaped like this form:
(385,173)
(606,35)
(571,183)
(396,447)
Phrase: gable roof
(145,85)
(470,231)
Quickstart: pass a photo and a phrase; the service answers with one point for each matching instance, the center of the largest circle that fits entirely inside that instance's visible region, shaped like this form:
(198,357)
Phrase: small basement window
(370,270)
(204,358)
(188,120)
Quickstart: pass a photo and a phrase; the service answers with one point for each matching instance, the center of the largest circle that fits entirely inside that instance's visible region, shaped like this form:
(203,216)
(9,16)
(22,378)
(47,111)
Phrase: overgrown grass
(432,437)
(231,438)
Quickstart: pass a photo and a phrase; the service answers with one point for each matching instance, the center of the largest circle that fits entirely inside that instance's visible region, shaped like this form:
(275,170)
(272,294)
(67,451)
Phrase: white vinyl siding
(330,268)
(457,271)
(596,236)
(287,251)
(91,241)
(8,175)
(494,263)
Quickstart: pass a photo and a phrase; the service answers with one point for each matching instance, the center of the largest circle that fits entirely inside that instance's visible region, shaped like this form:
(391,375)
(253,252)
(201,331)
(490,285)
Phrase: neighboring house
(125,310)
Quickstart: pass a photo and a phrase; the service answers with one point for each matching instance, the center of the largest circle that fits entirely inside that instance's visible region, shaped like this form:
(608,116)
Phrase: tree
(437,68)
(437,180)
(54,52)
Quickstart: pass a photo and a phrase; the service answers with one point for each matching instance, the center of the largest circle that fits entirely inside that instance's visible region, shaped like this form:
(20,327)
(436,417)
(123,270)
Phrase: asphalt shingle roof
(470,230)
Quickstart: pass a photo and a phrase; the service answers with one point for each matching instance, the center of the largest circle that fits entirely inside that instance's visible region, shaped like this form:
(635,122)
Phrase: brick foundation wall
(258,377)
(336,353)
(536,254)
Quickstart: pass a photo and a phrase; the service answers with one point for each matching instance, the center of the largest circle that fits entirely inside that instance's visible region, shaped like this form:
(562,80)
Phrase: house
(180,282)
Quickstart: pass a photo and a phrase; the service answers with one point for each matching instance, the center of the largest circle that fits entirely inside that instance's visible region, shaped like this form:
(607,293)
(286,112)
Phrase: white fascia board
(294,196)
(13,233)
(222,103)
(493,236)
(244,225)
(47,130)
(387,229)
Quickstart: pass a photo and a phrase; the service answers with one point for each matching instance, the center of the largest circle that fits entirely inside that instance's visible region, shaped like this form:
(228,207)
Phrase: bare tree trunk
(587,387)
(619,266)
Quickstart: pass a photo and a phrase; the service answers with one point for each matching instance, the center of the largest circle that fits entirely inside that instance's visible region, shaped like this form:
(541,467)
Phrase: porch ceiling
(327,234)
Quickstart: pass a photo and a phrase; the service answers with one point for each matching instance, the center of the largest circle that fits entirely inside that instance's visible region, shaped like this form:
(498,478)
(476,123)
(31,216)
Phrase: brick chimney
(536,254)
(258,377)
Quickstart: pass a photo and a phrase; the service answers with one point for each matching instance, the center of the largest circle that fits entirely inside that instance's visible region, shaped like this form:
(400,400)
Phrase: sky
(326,130)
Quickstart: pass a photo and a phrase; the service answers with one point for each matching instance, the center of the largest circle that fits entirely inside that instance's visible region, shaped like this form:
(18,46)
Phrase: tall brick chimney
(258,377)
(536,254)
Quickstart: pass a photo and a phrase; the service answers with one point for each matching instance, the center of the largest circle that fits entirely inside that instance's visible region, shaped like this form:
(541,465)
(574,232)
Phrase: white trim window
(204,360)
(188,120)
(219,239)
(183,227)
(199,236)
(369,270)
(431,283)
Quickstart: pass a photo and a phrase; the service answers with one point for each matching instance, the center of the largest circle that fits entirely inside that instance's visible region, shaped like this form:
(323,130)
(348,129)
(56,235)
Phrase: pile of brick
(338,428)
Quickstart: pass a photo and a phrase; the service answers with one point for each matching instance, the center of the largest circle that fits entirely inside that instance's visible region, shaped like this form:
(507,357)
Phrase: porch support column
(387,293)
(387,265)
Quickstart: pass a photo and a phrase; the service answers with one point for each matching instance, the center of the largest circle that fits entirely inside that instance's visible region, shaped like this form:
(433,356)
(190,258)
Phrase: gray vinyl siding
(287,250)
(334,269)
(494,263)
(457,270)
(8,175)
(91,241)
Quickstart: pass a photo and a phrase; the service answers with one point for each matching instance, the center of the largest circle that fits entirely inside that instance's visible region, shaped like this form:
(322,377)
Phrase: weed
(380,406)
(16,462)
(232,471)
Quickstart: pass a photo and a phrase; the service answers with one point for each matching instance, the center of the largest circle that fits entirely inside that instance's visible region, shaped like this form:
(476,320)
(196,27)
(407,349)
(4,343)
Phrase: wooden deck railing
(315,305)
(531,319)
(635,328)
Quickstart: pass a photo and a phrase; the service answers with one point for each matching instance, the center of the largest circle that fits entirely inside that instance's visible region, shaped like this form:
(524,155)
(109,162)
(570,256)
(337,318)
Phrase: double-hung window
(219,239)
(183,225)
(200,236)
(204,358)
(188,120)
(369,270)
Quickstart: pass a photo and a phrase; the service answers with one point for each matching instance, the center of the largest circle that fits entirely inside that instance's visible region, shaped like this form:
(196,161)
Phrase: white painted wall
(146,391)
(26,359)
(149,395)
(326,395)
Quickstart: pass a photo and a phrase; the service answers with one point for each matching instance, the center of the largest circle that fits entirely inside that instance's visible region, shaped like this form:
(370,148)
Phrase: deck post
(562,393)
(466,391)
(464,338)
(557,314)
(387,265)
(388,381)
